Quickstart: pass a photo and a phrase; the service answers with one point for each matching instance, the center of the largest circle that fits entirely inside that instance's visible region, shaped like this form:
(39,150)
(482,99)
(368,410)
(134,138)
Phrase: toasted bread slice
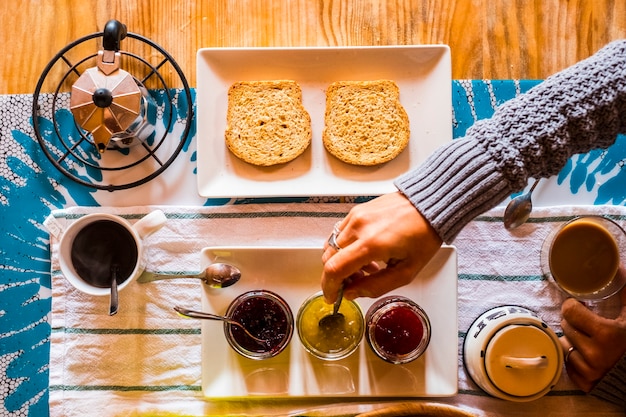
(266,122)
(365,123)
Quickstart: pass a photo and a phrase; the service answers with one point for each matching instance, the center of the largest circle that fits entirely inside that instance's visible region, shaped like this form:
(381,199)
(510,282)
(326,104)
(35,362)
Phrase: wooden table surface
(526,39)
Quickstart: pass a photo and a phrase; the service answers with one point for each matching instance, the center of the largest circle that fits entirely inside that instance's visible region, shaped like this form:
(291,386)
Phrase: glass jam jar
(329,343)
(266,316)
(397,329)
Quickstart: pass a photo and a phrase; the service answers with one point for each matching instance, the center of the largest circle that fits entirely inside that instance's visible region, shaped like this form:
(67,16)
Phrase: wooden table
(505,39)
(490,39)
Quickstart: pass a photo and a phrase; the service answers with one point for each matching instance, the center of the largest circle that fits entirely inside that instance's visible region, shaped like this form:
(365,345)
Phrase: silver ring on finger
(332,241)
(569,353)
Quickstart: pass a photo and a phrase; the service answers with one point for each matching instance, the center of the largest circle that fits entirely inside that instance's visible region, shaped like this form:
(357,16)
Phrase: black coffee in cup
(102,247)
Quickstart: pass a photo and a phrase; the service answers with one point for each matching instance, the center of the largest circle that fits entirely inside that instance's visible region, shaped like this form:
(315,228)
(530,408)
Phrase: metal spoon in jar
(518,210)
(217,275)
(208,316)
(335,319)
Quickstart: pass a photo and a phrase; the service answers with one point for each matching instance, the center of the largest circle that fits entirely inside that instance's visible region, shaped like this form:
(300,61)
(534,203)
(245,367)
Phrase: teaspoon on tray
(217,275)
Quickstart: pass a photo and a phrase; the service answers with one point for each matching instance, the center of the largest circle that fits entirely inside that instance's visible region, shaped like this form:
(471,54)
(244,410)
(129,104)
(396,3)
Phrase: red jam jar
(266,316)
(397,329)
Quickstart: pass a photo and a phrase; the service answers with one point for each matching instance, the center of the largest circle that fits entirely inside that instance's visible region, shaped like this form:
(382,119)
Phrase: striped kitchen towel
(146,361)
(146,358)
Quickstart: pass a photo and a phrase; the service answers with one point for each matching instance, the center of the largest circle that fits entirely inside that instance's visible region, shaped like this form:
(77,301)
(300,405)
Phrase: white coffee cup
(107,242)
(511,354)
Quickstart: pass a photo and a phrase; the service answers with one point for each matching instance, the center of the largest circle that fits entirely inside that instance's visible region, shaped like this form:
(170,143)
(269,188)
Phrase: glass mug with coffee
(98,245)
(583,257)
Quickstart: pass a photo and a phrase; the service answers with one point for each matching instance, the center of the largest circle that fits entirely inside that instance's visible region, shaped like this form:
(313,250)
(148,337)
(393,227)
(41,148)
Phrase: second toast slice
(365,123)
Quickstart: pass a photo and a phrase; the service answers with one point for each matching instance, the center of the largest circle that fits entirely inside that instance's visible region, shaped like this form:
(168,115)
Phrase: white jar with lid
(512,354)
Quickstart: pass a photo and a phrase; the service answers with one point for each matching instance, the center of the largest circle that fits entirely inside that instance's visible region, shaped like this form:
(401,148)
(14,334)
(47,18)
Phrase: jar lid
(522,360)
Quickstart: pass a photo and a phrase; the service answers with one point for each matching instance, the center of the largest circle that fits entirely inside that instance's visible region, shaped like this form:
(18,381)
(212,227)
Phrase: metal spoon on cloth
(335,319)
(518,210)
(217,275)
(208,316)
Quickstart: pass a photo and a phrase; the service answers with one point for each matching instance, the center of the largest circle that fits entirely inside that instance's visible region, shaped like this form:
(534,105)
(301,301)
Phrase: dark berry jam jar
(397,329)
(267,317)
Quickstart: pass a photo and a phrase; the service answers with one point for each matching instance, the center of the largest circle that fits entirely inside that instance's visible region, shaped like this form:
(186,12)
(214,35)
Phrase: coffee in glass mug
(583,257)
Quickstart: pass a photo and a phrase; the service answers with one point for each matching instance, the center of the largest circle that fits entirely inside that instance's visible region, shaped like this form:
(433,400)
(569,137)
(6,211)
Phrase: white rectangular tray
(422,72)
(294,274)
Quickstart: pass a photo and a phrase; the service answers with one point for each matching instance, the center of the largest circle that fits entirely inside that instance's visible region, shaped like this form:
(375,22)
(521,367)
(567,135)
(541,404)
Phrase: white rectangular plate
(294,274)
(423,74)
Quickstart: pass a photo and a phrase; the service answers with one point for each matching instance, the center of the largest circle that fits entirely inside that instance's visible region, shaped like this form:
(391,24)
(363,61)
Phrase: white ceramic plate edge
(423,73)
(226,375)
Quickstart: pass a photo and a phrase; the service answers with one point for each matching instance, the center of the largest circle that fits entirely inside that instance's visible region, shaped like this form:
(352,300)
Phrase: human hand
(384,243)
(599,342)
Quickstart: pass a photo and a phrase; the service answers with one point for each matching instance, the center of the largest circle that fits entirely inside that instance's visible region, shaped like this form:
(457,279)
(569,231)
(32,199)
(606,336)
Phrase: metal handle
(151,276)
(525,363)
(337,302)
(114,302)
(208,316)
(114,32)
(202,315)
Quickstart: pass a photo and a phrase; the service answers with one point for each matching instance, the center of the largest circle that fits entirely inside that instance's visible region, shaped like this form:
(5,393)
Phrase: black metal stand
(72,151)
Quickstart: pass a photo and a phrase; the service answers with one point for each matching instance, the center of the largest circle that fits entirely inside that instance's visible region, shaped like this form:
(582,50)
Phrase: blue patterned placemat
(30,187)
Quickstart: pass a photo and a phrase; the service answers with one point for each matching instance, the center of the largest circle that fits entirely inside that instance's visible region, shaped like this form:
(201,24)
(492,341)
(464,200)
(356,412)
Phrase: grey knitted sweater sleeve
(532,135)
(612,387)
